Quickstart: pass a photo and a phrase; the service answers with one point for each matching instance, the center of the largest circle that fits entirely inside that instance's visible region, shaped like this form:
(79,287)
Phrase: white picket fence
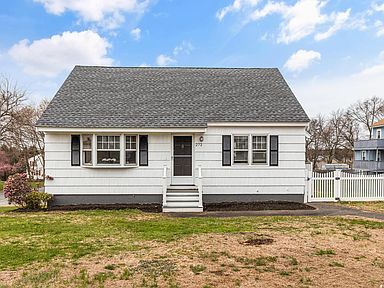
(344,186)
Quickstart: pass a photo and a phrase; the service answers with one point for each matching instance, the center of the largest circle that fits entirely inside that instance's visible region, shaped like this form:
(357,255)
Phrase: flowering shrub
(37,200)
(16,189)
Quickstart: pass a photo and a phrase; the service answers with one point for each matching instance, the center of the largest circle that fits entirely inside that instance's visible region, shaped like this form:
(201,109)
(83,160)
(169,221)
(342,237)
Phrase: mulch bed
(156,208)
(256,206)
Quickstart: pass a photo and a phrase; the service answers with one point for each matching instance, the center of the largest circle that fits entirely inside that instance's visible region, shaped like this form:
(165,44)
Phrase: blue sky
(330,52)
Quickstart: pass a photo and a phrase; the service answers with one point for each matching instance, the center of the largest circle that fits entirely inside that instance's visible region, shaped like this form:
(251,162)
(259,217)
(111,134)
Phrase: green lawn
(44,246)
(375,206)
(1,185)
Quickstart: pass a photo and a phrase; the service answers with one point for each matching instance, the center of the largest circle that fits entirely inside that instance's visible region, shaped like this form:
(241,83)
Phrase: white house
(36,167)
(177,136)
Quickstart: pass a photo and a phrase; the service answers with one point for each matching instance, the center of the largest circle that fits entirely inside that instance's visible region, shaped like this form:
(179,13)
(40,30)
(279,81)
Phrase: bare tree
(314,143)
(24,133)
(11,99)
(367,112)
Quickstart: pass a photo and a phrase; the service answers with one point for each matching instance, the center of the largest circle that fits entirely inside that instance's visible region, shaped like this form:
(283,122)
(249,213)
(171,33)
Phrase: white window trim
(137,150)
(82,150)
(266,163)
(250,150)
(233,149)
(120,149)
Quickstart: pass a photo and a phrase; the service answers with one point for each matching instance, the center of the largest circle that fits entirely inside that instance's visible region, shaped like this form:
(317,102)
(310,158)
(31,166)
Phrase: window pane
(259,142)
(240,156)
(108,157)
(87,141)
(130,142)
(240,142)
(259,157)
(130,157)
(87,157)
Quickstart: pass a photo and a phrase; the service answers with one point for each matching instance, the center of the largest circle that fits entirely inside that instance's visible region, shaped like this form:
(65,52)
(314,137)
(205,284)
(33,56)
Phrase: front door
(182,173)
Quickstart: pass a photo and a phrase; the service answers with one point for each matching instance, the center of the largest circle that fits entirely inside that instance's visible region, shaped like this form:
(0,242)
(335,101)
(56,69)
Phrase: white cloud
(301,60)
(136,34)
(164,60)
(299,20)
(339,22)
(50,56)
(144,65)
(378,7)
(235,6)
(107,13)
(185,47)
(323,95)
(379,25)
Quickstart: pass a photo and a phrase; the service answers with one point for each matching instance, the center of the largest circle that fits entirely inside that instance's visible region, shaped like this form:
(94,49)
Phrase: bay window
(240,149)
(108,150)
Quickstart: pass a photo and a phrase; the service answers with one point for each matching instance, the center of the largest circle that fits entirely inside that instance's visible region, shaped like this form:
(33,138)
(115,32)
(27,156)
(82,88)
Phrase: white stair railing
(165,185)
(200,185)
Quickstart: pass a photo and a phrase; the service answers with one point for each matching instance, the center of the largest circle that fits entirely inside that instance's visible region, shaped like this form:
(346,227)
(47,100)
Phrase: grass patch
(322,252)
(197,269)
(1,185)
(258,261)
(32,237)
(110,267)
(336,264)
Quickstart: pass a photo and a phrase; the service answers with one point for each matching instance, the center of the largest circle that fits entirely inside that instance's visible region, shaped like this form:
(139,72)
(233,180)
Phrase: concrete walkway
(322,209)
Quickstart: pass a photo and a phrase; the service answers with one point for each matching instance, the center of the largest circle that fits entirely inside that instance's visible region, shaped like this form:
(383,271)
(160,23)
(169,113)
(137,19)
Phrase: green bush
(37,200)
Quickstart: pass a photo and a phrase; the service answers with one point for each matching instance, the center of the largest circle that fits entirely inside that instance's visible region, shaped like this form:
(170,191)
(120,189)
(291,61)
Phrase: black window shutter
(226,145)
(75,150)
(274,150)
(143,150)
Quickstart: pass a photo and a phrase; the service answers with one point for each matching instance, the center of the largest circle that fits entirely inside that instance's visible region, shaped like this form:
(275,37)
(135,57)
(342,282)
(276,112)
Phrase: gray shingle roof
(116,97)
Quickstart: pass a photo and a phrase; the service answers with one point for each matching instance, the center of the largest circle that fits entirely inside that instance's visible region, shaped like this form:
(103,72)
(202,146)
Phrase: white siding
(86,180)
(287,178)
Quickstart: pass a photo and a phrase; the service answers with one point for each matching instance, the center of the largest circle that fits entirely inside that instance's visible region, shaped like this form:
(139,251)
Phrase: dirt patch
(153,208)
(256,206)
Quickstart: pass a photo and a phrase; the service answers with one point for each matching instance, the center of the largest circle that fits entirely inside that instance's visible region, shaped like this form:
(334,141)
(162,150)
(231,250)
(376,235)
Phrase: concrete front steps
(182,199)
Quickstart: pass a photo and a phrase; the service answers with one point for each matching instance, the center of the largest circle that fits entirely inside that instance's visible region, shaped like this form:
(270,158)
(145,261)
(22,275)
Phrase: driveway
(322,209)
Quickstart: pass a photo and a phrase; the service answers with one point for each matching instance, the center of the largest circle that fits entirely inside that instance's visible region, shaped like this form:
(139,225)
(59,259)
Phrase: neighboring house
(369,154)
(177,136)
(36,167)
